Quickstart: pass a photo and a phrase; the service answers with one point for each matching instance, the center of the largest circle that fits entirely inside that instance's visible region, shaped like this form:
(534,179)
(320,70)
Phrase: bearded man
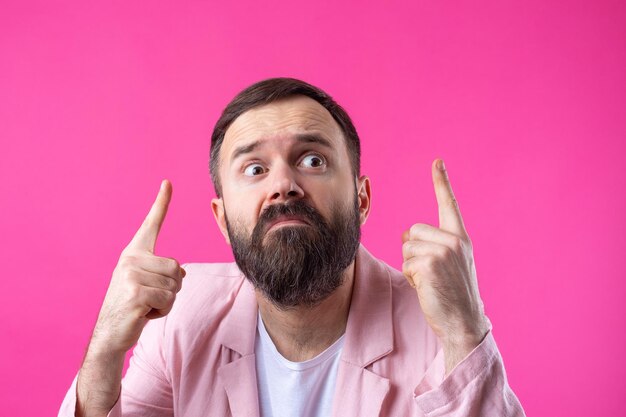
(306,322)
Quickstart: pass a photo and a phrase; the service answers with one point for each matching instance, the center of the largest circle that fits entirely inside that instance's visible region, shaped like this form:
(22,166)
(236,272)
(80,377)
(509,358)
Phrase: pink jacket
(199,360)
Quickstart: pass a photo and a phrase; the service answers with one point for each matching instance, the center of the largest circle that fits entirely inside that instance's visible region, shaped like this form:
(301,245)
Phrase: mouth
(287,221)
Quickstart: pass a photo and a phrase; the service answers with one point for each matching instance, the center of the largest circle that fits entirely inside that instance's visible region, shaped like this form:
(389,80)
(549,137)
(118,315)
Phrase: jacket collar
(238,372)
(370,314)
(239,330)
(369,332)
(369,337)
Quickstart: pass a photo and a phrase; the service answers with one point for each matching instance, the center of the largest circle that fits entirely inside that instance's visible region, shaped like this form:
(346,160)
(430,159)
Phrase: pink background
(525,102)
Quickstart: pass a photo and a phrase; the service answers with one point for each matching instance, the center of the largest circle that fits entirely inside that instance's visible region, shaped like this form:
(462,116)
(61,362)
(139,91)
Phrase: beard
(297,265)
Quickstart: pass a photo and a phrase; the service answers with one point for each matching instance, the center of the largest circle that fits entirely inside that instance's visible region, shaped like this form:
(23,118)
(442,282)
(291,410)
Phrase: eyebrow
(302,137)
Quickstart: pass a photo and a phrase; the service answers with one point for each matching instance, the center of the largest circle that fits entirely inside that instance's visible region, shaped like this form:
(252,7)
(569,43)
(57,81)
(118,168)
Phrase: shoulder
(405,300)
(208,277)
(207,293)
(404,296)
(375,268)
(405,305)
(187,342)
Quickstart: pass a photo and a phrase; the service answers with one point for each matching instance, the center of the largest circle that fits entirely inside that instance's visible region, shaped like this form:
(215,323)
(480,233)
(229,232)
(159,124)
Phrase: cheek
(238,199)
(328,203)
(339,191)
(242,211)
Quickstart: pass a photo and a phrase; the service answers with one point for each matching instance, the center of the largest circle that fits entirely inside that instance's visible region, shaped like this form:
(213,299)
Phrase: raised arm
(468,377)
(143,287)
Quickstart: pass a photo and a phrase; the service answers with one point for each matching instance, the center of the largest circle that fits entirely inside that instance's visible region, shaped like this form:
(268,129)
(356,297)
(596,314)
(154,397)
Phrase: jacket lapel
(359,392)
(238,374)
(239,381)
(369,337)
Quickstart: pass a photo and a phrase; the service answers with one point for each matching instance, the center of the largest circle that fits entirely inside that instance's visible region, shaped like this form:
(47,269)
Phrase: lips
(288,220)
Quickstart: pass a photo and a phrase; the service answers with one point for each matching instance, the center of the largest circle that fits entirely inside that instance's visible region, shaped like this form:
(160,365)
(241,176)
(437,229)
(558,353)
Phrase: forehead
(284,118)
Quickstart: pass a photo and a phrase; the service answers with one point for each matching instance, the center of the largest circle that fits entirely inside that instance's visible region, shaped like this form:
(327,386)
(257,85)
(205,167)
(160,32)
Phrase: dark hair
(271,90)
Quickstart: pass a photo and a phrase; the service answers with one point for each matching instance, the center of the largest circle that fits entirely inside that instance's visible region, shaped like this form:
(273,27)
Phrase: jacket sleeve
(146,389)
(476,387)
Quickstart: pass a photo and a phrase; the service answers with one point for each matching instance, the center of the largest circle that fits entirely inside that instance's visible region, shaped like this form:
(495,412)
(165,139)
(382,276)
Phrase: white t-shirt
(288,389)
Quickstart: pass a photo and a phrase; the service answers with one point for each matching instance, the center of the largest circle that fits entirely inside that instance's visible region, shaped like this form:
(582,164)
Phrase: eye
(313,161)
(253,170)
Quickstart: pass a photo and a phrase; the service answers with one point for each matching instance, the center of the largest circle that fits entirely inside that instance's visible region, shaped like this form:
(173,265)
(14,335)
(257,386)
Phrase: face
(291,206)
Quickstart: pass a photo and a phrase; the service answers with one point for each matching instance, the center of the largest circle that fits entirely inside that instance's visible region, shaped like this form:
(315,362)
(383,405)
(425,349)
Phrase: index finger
(146,236)
(450,218)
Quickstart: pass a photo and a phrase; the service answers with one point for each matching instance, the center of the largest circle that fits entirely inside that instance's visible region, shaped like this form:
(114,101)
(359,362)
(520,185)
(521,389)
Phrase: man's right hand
(143,287)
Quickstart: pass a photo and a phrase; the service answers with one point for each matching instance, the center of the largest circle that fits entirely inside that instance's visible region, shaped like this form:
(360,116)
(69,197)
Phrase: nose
(284,185)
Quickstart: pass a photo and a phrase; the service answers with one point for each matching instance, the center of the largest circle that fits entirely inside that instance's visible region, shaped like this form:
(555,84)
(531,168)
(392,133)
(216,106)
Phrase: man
(307,322)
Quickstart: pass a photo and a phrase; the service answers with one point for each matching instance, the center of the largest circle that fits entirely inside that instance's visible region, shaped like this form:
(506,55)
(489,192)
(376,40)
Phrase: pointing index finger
(146,236)
(449,214)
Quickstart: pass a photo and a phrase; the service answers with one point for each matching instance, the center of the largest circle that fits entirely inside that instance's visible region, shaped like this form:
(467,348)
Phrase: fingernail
(440,165)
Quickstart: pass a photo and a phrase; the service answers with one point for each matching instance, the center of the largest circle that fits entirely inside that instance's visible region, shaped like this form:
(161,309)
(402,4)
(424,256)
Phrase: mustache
(297,208)
(297,265)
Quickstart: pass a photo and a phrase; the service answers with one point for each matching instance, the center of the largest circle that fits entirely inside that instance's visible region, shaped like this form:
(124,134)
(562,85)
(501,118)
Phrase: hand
(143,285)
(439,264)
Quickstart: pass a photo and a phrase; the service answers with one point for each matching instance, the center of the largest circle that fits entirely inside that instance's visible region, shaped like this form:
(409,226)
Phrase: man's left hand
(439,264)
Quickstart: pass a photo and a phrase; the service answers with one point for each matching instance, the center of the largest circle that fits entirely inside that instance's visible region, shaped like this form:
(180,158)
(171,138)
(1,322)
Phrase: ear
(217,206)
(365,198)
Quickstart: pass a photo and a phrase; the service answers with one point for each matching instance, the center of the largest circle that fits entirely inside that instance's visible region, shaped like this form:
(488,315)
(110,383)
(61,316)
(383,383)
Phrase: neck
(301,333)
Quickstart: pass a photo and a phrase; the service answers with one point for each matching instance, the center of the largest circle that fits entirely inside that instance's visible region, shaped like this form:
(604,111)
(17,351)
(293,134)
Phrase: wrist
(459,344)
(104,351)
(466,335)
(465,342)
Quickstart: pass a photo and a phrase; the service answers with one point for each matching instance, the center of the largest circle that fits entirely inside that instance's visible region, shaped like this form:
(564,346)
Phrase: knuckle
(167,283)
(406,267)
(134,292)
(415,265)
(173,285)
(175,266)
(457,244)
(443,252)
(407,249)
(430,262)
(130,275)
(127,261)
(171,266)
(416,229)
(169,297)
(165,311)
